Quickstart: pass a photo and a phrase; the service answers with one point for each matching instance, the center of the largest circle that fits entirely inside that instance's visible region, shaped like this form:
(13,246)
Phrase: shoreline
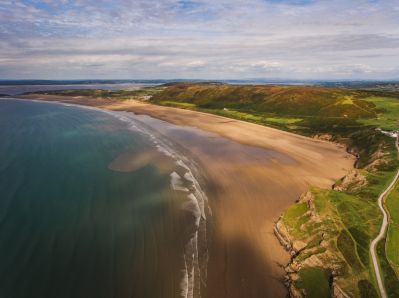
(195,253)
(245,255)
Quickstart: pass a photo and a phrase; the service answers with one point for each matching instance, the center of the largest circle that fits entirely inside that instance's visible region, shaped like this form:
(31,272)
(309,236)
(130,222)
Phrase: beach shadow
(237,269)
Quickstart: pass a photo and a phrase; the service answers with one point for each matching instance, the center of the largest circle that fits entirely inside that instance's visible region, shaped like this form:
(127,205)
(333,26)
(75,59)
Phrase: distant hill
(284,100)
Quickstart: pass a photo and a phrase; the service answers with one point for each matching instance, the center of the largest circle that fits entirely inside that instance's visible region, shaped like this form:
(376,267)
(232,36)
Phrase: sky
(199,39)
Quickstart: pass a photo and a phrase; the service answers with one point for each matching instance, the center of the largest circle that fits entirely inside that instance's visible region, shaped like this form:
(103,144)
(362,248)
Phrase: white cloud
(199,39)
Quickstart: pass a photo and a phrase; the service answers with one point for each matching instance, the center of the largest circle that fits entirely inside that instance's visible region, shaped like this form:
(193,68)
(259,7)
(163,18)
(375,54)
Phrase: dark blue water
(72,227)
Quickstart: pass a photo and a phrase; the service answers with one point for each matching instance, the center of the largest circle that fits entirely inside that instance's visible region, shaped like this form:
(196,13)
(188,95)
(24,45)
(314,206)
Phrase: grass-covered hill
(284,100)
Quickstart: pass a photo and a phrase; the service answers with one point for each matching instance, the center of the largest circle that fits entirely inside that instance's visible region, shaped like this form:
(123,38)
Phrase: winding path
(383,230)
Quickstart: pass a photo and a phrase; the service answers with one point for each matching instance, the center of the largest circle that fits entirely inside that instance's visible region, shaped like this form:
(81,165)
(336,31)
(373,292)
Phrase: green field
(295,217)
(392,245)
(390,278)
(315,282)
(258,118)
(182,105)
(387,110)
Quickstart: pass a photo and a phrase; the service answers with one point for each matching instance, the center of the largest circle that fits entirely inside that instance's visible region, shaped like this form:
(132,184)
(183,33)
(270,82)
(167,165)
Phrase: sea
(95,204)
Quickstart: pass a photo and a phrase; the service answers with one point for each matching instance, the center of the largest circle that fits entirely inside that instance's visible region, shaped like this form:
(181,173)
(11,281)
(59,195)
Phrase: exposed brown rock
(323,137)
(353,181)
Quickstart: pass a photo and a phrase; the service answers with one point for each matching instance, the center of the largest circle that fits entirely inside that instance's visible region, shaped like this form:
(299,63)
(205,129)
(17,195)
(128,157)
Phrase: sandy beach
(254,173)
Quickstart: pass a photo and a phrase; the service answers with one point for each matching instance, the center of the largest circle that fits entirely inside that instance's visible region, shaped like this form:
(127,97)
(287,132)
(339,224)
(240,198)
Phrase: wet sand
(254,173)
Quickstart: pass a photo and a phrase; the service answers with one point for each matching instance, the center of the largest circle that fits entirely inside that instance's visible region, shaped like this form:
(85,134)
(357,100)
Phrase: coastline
(271,169)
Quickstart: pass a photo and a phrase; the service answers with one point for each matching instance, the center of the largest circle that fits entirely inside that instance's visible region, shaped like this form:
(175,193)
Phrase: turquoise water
(72,227)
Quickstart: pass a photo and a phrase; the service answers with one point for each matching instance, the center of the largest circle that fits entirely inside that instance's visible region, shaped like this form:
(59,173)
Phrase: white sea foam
(177,183)
(164,151)
(193,206)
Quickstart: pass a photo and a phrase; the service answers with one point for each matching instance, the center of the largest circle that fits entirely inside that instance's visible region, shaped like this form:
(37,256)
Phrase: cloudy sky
(208,39)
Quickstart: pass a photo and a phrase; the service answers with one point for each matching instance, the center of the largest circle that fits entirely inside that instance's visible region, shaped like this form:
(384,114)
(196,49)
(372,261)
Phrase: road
(382,232)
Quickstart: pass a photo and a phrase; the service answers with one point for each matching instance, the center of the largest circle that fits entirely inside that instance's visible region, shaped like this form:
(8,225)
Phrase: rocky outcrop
(303,252)
(376,165)
(351,182)
(323,137)
(378,160)
(337,292)
(282,235)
